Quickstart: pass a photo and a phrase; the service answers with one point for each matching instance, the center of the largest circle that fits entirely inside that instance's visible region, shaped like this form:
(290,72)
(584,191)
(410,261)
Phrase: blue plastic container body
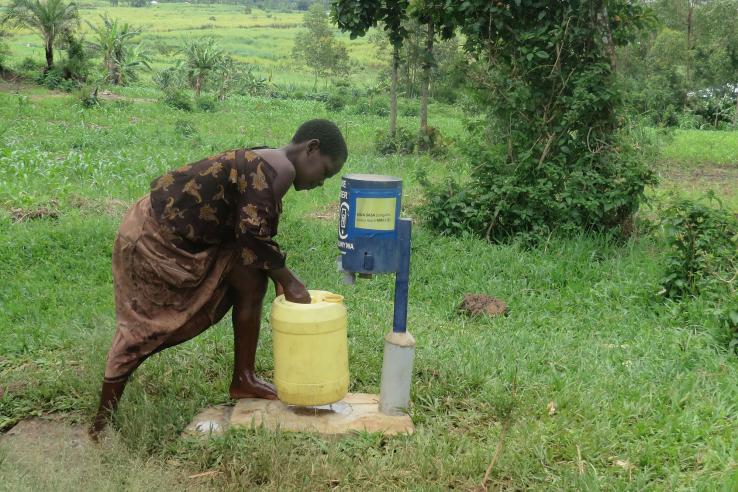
(369,211)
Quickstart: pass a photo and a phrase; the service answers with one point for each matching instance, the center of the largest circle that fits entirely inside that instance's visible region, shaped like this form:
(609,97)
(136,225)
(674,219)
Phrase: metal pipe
(402,278)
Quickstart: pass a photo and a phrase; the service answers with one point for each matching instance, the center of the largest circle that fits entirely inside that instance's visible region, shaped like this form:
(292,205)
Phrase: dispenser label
(376,213)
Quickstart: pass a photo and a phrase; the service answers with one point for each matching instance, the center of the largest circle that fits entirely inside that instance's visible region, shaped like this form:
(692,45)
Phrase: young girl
(202,243)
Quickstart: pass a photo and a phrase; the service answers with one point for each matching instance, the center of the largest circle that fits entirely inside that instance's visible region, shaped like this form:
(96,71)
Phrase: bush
(402,143)
(335,102)
(703,245)
(169,80)
(51,79)
(178,100)
(375,107)
(87,96)
(714,107)
(30,65)
(184,128)
(432,142)
(591,192)
(410,109)
(206,103)
(248,83)
(76,63)
(4,52)
(68,85)
(702,259)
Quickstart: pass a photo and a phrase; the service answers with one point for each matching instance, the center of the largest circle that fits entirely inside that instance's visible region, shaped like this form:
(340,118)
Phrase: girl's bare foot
(247,385)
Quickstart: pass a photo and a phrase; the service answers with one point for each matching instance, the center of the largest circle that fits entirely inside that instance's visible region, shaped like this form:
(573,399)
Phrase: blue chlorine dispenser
(373,239)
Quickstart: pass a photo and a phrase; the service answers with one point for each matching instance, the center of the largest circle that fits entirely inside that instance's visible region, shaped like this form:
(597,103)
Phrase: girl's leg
(109,397)
(249,287)
(112,391)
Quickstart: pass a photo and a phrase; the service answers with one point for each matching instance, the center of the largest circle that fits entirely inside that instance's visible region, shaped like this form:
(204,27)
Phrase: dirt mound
(477,304)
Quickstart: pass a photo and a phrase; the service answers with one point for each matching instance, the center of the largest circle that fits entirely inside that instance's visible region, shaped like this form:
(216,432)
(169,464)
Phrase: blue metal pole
(402,278)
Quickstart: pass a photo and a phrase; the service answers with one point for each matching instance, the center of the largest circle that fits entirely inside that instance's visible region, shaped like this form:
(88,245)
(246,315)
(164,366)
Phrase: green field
(645,394)
(260,38)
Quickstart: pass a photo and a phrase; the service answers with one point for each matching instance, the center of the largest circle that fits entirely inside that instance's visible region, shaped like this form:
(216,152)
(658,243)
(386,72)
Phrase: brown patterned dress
(177,245)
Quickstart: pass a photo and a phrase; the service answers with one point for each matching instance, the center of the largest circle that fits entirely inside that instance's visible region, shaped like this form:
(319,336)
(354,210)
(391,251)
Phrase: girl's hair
(331,141)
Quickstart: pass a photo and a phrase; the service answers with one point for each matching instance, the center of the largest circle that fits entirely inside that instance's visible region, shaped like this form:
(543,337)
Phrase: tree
(317,48)
(113,40)
(694,49)
(202,59)
(49,18)
(4,49)
(548,151)
(358,16)
(427,12)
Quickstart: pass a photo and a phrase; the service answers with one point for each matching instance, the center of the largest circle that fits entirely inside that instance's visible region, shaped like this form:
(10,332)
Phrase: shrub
(410,109)
(335,102)
(184,128)
(702,259)
(596,191)
(169,79)
(703,245)
(714,107)
(375,107)
(402,143)
(248,83)
(76,63)
(51,79)
(30,65)
(206,103)
(68,85)
(87,96)
(178,100)
(432,142)
(4,52)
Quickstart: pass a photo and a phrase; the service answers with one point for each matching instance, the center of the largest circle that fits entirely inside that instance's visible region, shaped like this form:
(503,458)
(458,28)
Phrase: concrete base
(356,412)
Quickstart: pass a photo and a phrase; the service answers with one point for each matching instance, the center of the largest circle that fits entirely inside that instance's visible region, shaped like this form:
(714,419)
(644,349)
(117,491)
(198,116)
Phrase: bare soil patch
(329,212)
(479,304)
(722,179)
(51,454)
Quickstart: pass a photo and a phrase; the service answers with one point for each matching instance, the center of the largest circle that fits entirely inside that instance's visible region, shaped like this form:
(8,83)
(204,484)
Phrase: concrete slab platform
(356,412)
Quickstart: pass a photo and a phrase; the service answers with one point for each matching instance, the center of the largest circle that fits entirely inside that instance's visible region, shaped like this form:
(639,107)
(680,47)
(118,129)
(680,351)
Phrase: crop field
(262,39)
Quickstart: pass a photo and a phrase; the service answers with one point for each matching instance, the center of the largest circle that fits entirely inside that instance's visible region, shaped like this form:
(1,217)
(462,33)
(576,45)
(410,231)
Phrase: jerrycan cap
(331,297)
(316,297)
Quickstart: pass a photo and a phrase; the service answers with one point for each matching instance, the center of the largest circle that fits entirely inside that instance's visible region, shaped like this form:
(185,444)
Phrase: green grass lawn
(645,395)
(694,148)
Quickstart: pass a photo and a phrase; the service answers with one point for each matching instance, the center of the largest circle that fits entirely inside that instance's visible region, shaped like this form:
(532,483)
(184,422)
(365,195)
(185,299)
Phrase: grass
(693,148)
(645,396)
(263,39)
(644,392)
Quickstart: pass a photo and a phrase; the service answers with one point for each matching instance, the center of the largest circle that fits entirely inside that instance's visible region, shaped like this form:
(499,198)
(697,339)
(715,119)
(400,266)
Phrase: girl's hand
(295,291)
(278,289)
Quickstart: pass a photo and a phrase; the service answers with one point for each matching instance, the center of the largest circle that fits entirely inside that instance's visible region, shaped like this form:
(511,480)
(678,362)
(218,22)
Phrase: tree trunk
(198,86)
(607,37)
(735,115)
(393,91)
(688,74)
(49,54)
(427,63)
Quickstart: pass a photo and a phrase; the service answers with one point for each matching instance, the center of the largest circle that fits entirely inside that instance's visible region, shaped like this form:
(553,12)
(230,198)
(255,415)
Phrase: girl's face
(313,168)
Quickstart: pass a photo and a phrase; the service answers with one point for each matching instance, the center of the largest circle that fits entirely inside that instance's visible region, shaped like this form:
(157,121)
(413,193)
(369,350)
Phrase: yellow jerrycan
(310,349)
